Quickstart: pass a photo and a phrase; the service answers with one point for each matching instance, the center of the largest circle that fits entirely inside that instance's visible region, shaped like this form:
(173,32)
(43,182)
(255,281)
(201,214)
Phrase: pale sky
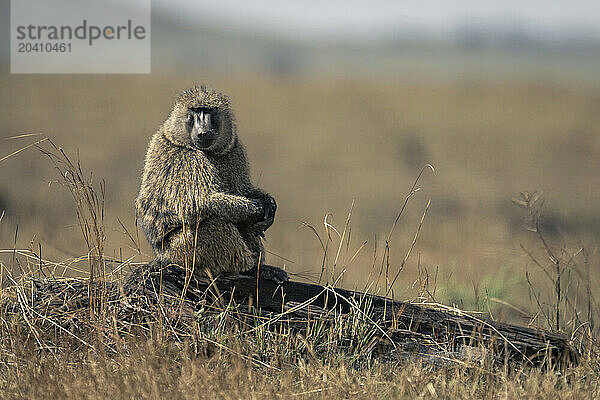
(348,19)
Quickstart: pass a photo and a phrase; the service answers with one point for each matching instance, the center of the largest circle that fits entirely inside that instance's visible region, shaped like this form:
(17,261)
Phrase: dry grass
(156,370)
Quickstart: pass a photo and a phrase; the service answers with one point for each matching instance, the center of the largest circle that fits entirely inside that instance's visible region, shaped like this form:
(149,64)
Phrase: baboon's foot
(269,272)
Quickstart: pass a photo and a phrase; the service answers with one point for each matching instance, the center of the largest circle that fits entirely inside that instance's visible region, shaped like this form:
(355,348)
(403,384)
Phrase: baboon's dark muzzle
(201,127)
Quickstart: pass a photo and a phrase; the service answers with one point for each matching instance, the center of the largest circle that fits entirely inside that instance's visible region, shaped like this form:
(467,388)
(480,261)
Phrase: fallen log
(402,323)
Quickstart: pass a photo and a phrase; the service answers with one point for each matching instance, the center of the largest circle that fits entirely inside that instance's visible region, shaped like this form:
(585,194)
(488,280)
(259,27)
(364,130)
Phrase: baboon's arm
(257,193)
(235,209)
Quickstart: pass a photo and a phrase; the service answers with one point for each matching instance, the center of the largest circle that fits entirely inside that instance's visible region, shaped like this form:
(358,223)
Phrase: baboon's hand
(269,207)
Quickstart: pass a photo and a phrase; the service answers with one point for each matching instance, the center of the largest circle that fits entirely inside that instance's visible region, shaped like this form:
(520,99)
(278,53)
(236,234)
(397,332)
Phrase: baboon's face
(201,119)
(202,124)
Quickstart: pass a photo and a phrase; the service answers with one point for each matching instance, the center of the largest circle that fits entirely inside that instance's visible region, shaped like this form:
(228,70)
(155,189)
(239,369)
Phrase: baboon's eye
(214,114)
(189,122)
(214,119)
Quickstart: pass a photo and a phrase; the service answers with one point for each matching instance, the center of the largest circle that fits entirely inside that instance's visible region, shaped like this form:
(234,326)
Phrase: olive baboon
(197,205)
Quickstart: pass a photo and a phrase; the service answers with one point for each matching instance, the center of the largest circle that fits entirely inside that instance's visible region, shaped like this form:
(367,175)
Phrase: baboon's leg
(252,238)
(214,245)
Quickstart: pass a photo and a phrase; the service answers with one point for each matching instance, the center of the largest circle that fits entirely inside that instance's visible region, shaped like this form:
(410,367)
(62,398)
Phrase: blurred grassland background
(326,124)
